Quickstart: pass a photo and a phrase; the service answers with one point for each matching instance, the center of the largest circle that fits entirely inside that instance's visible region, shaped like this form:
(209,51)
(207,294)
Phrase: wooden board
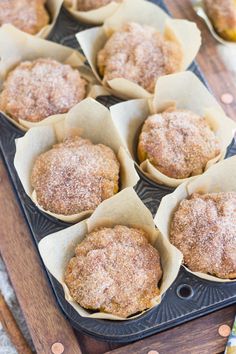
(196,337)
(45,321)
(220,80)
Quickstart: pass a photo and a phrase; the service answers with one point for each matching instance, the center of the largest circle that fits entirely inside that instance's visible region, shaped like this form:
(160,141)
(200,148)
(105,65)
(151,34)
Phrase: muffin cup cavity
(24,47)
(94,17)
(218,178)
(126,209)
(129,117)
(185,33)
(88,119)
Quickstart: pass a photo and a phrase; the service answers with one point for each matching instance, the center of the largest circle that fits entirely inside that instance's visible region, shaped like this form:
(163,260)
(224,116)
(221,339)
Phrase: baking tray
(189,297)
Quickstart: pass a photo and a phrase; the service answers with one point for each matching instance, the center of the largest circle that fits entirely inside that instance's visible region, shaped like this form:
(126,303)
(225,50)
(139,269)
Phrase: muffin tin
(188,297)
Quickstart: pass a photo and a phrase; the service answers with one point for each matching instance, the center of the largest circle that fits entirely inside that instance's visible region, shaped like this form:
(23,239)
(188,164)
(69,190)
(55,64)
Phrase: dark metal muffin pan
(188,297)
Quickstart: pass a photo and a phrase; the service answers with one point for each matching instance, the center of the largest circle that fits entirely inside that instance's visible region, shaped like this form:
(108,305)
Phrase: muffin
(223,17)
(115,270)
(37,89)
(87,5)
(203,228)
(75,176)
(28,15)
(140,54)
(178,142)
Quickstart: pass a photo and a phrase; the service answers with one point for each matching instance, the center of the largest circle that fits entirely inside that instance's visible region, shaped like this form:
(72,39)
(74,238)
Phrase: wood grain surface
(12,329)
(45,321)
(196,337)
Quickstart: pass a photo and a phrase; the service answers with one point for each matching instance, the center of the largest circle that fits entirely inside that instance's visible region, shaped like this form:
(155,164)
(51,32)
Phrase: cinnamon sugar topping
(75,176)
(114,271)
(204,230)
(27,15)
(179,143)
(35,90)
(139,54)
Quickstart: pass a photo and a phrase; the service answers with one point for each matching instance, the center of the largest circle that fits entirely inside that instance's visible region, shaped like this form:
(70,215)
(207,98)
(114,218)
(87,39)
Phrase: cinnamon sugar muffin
(178,142)
(115,270)
(37,89)
(204,230)
(222,13)
(27,15)
(140,54)
(87,5)
(75,176)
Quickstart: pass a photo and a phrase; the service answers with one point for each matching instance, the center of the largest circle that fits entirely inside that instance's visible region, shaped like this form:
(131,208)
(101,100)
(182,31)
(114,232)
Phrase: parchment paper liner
(53,7)
(218,178)
(185,91)
(96,16)
(123,209)
(88,119)
(17,46)
(143,12)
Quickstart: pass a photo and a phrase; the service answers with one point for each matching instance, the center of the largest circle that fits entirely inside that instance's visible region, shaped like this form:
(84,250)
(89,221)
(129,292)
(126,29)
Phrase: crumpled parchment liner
(129,117)
(94,17)
(88,119)
(218,178)
(17,46)
(184,32)
(127,209)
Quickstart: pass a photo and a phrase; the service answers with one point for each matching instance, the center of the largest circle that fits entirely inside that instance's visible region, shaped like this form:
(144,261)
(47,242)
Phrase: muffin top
(37,89)
(178,142)
(223,13)
(115,270)
(27,15)
(75,176)
(87,5)
(139,54)
(203,228)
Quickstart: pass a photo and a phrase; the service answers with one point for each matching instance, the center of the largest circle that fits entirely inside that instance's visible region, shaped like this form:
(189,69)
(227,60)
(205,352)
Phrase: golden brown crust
(37,89)
(203,228)
(28,15)
(114,271)
(223,16)
(75,176)
(179,143)
(139,54)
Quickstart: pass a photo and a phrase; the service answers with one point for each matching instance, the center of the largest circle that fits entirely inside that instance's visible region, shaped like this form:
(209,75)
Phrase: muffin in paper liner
(143,12)
(53,8)
(129,117)
(94,17)
(126,209)
(17,46)
(218,178)
(222,17)
(88,119)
